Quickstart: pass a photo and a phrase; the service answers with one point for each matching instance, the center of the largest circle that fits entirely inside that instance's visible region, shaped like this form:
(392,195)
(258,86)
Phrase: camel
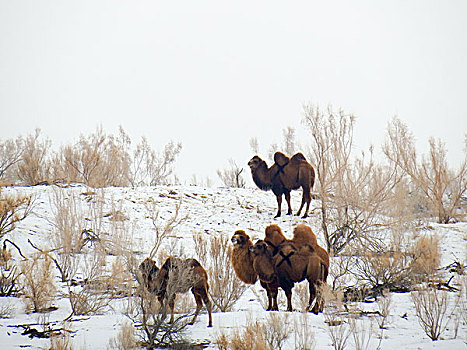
(303,236)
(293,265)
(243,263)
(177,276)
(283,177)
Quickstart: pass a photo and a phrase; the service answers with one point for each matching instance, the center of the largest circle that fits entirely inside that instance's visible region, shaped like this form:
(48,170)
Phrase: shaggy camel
(302,235)
(284,176)
(243,264)
(177,276)
(294,265)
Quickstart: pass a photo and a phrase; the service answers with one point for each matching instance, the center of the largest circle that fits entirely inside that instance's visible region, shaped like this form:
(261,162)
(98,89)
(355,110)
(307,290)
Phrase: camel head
(254,163)
(240,238)
(259,248)
(148,270)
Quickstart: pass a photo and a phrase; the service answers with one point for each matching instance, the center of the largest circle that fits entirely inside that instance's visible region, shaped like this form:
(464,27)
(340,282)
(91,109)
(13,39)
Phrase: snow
(209,211)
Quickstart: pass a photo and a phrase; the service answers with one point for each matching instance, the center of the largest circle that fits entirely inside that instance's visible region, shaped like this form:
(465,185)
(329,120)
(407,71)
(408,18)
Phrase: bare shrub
(232,177)
(353,192)
(427,255)
(384,309)
(304,338)
(334,316)
(11,151)
(224,287)
(38,282)
(13,209)
(268,335)
(35,164)
(66,237)
(98,160)
(125,339)
(441,185)
(61,341)
(361,334)
(150,168)
(431,306)
(9,274)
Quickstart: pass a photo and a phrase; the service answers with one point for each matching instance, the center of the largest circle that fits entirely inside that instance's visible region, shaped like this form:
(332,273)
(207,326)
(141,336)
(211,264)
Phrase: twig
(14,245)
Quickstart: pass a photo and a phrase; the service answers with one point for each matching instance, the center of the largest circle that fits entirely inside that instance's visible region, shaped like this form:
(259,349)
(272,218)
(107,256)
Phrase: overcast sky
(213,74)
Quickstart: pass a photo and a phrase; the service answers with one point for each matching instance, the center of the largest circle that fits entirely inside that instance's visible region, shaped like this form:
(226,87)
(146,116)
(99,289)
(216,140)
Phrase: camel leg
(288,294)
(279,203)
(287,198)
(172,307)
(274,293)
(312,288)
(199,305)
(208,304)
(306,198)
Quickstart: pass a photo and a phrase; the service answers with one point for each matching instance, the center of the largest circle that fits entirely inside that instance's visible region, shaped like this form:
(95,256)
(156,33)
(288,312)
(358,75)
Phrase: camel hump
(281,159)
(298,157)
(303,234)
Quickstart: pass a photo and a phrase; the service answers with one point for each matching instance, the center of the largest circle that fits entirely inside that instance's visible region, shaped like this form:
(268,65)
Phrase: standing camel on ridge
(285,175)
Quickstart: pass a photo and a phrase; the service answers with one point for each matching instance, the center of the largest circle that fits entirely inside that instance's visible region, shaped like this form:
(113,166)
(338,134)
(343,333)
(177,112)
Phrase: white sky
(213,74)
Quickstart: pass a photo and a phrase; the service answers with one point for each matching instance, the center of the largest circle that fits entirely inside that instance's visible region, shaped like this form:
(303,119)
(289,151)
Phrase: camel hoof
(209,325)
(305,216)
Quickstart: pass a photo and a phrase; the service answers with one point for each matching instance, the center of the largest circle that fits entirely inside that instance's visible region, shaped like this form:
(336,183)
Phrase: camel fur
(244,266)
(285,175)
(177,276)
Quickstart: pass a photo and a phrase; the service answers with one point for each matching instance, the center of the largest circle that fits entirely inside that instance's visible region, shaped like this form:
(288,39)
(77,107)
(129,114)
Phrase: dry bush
(11,151)
(384,309)
(150,168)
(38,282)
(61,341)
(268,335)
(125,339)
(334,316)
(353,192)
(304,337)
(397,268)
(151,326)
(361,334)
(66,237)
(232,177)
(35,164)
(442,186)
(13,209)
(214,254)
(431,306)
(98,160)
(9,274)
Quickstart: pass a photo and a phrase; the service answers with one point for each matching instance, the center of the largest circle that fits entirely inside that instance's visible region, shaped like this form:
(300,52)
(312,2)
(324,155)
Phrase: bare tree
(442,186)
(254,145)
(232,177)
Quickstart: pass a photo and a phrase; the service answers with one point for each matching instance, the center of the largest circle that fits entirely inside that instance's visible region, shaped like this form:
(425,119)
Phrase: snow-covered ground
(210,212)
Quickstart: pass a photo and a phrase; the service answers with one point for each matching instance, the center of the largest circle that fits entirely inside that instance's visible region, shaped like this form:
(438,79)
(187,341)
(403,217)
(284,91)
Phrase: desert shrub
(9,274)
(431,306)
(13,209)
(334,317)
(38,282)
(304,338)
(11,151)
(268,335)
(232,177)
(61,341)
(214,254)
(125,339)
(34,165)
(98,160)
(151,168)
(427,255)
(384,309)
(442,186)
(353,191)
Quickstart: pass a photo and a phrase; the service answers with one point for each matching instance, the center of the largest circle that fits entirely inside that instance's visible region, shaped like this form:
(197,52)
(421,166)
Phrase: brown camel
(284,176)
(177,276)
(244,266)
(302,236)
(294,265)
